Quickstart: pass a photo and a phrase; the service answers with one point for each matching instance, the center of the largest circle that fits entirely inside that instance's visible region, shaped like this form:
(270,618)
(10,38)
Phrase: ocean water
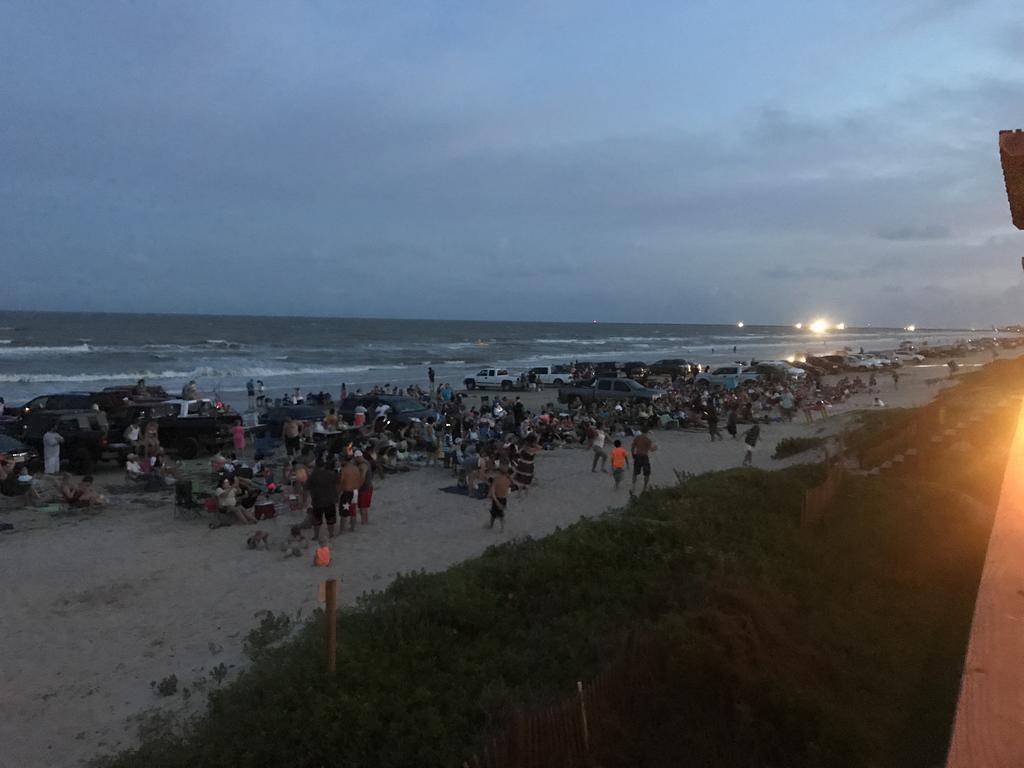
(43,353)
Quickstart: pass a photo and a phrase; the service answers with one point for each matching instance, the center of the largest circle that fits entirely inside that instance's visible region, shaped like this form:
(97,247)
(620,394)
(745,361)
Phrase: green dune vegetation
(764,643)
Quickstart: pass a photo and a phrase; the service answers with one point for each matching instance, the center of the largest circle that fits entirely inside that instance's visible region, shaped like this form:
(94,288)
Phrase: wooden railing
(989,728)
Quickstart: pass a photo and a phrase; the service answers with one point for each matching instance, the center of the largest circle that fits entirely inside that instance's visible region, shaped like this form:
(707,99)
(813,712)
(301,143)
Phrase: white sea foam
(77,349)
(203,372)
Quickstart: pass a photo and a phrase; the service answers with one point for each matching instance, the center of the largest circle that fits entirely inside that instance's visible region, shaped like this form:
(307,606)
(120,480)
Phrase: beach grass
(832,646)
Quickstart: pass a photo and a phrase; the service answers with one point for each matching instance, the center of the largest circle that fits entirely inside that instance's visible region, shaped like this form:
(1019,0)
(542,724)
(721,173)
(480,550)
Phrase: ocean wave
(6,341)
(203,372)
(76,349)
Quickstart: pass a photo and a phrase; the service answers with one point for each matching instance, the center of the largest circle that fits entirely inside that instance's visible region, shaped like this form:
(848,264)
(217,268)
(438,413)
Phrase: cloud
(910,232)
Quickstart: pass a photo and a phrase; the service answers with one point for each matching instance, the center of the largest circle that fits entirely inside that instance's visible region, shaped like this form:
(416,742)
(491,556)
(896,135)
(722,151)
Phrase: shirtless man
(499,497)
(290,432)
(349,480)
(641,450)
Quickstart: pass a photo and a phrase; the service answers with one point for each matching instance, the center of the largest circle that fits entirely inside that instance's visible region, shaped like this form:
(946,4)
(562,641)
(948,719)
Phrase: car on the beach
(670,366)
(84,432)
(17,452)
(909,357)
(779,367)
(623,390)
(402,410)
(492,378)
(826,364)
(195,426)
(273,419)
(550,374)
(726,375)
(865,363)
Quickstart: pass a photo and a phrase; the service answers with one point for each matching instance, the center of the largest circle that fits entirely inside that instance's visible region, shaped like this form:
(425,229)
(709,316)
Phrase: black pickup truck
(189,427)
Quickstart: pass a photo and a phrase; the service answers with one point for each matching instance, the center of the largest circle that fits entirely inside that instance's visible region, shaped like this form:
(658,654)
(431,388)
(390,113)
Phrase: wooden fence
(818,500)
(582,728)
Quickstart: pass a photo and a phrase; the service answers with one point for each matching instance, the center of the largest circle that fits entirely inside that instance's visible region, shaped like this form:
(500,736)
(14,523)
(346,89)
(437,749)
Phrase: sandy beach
(99,605)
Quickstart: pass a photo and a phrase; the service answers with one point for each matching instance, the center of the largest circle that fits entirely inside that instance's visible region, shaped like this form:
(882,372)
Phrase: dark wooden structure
(1011,153)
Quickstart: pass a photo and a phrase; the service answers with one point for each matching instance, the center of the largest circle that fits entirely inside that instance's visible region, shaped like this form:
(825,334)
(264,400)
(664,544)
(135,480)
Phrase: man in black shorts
(323,493)
(641,450)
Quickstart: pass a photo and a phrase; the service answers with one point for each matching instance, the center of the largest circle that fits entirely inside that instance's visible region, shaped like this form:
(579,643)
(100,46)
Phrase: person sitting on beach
(322,553)
(227,502)
(258,540)
(81,494)
(132,467)
(296,543)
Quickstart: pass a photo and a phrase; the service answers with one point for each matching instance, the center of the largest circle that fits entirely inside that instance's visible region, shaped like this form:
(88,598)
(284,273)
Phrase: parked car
(17,452)
(273,419)
(195,426)
(609,389)
(492,378)
(727,374)
(826,364)
(402,410)
(84,433)
(635,369)
(672,366)
(551,374)
(865,363)
(779,367)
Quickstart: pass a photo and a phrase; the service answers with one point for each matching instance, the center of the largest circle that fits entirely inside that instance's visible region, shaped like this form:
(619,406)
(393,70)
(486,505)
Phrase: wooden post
(331,598)
(583,715)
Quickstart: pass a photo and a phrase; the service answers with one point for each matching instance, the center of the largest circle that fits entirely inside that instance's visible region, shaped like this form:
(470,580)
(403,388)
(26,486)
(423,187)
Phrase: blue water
(52,352)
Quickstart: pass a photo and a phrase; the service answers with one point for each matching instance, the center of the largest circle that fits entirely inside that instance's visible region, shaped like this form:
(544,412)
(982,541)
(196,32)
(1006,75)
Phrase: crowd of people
(489,448)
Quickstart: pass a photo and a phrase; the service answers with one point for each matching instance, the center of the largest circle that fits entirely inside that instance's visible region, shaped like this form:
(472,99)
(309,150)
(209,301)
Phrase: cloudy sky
(694,161)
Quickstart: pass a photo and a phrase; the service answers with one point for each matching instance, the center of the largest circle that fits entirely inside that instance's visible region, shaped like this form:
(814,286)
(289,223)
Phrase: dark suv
(403,409)
(84,433)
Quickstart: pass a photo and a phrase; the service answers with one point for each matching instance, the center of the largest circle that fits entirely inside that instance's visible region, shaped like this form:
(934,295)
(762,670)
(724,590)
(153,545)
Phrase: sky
(692,161)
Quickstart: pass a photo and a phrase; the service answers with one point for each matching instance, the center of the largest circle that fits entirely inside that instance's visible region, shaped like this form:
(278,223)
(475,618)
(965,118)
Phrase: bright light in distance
(841,327)
(911,328)
(818,326)
(798,326)
(739,324)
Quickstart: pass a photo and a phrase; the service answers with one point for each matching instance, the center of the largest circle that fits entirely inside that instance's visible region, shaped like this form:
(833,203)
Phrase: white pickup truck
(494,378)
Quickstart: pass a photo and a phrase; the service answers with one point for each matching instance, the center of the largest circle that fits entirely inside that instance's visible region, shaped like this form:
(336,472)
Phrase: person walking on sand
(730,421)
(499,497)
(367,466)
(895,380)
(620,462)
(349,481)
(323,494)
(597,441)
(711,414)
(641,449)
(750,437)
(290,432)
(51,450)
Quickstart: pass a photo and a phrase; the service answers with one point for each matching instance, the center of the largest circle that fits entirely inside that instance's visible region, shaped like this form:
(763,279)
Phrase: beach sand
(96,606)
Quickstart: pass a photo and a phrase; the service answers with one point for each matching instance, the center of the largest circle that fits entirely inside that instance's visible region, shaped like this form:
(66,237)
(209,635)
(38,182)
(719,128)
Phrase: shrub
(790,446)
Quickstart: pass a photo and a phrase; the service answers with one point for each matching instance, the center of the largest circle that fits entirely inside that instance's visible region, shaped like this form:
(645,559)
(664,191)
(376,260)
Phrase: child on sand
(620,461)
(750,437)
(322,553)
(296,543)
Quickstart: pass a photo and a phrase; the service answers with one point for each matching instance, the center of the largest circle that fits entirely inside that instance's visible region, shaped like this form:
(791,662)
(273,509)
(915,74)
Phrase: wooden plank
(989,728)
